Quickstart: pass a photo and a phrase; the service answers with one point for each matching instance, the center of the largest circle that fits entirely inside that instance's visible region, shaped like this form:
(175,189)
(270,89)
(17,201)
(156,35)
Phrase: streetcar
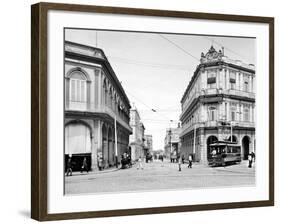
(222,153)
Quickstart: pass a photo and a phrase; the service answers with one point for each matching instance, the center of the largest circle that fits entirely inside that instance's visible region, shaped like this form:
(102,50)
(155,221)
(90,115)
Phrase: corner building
(218,101)
(137,139)
(94,98)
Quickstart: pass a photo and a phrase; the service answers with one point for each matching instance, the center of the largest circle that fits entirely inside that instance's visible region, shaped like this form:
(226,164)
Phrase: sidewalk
(107,170)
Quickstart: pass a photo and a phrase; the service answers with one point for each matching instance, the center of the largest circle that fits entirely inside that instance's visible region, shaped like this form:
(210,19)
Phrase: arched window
(78,87)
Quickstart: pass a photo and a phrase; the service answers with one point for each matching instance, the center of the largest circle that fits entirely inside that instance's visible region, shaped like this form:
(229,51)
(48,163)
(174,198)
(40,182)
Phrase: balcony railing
(239,93)
(217,91)
(90,107)
(239,63)
(188,128)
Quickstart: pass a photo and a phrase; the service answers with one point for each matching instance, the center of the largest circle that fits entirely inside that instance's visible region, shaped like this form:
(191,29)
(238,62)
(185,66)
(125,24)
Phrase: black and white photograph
(149,111)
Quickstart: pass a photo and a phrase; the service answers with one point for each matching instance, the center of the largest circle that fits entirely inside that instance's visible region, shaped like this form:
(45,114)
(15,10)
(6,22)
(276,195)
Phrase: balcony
(101,109)
(239,93)
(190,100)
(186,129)
(245,124)
(215,91)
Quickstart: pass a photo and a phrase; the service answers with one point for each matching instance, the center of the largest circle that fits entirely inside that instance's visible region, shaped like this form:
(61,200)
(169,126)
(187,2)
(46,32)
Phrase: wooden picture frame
(39,109)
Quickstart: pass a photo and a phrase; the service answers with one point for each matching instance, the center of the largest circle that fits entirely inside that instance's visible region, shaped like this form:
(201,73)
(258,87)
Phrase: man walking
(250,159)
(140,163)
(189,161)
(84,166)
(179,163)
(69,167)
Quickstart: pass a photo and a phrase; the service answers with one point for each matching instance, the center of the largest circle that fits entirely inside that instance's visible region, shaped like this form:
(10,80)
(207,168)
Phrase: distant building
(148,144)
(94,97)
(218,104)
(137,138)
(172,143)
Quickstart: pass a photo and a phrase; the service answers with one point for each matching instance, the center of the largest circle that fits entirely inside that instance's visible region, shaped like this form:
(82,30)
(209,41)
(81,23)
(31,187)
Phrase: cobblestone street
(160,176)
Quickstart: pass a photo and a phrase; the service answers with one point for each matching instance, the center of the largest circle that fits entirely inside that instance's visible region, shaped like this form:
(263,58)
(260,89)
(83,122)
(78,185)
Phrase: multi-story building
(218,104)
(94,100)
(137,137)
(172,144)
(148,144)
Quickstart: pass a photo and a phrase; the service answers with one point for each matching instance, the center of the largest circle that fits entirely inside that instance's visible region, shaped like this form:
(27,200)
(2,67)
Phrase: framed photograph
(139,111)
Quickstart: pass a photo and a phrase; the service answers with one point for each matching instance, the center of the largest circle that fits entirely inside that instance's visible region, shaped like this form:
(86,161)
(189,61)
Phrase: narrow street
(160,176)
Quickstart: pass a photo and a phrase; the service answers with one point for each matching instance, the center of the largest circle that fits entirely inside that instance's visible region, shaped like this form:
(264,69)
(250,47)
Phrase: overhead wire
(179,47)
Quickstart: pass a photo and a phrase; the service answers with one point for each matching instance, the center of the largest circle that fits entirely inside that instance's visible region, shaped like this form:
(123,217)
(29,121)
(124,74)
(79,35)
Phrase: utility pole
(116,151)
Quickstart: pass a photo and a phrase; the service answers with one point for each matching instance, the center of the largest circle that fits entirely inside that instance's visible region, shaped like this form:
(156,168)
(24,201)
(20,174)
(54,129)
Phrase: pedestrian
(253,156)
(214,152)
(84,166)
(100,163)
(140,166)
(179,162)
(189,161)
(69,167)
(182,159)
(250,159)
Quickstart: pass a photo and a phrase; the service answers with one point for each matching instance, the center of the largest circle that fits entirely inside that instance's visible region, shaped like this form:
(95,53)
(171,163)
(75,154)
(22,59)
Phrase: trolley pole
(116,151)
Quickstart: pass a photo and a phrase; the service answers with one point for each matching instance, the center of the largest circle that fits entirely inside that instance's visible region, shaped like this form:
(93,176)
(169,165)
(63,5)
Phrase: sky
(155,69)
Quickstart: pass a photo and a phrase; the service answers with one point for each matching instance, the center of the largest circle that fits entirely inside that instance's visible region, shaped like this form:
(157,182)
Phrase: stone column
(67,97)
(95,144)
(254,84)
(251,113)
(100,87)
(204,79)
(237,81)
(227,111)
(218,78)
(227,78)
(250,84)
(242,112)
(222,79)
(88,100)
(254,112)
(203,148)
(241,81)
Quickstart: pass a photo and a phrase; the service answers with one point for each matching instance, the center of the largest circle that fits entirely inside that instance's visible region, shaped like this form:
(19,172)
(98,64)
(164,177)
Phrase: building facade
(94,100)
(172,144)
(137,138)
(218,104)
(148,144)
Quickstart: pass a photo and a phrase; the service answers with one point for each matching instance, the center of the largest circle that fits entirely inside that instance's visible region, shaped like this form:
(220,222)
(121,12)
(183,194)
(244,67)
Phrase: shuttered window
(78,90)
(211,79)
(232,80)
